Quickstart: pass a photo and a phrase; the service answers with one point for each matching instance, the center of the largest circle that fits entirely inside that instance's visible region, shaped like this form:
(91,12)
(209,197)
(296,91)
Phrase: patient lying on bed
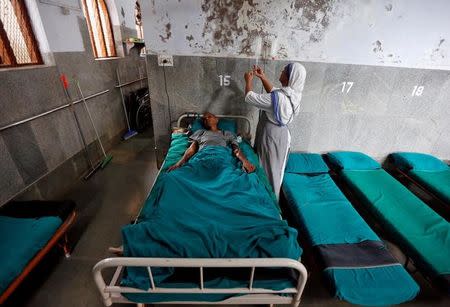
(213,136)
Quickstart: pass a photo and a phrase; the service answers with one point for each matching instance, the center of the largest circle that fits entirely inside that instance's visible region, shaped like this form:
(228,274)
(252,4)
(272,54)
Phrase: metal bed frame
(111,292)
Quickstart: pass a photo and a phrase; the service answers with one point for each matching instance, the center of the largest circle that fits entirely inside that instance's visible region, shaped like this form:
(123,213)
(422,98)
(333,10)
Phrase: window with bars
(100,29)
(18,45)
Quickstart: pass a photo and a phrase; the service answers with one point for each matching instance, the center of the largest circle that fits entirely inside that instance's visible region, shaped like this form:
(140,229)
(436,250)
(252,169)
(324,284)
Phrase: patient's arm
(187,155)
(249,168)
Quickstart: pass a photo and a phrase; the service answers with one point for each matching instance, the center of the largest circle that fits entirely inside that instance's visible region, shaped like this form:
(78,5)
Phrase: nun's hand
(258,71)
(248,167)
(248,76)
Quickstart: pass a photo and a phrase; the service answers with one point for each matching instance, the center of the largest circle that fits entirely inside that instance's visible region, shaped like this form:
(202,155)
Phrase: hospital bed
(425,175)
(29,231)
(419,231)
(247,279)
(355,262)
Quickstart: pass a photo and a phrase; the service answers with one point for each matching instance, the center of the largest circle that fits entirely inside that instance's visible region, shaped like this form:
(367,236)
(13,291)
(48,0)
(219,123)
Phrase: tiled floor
(109,200)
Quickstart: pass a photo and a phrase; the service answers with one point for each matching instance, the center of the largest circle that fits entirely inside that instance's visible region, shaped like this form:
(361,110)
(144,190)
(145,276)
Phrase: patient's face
(210,120)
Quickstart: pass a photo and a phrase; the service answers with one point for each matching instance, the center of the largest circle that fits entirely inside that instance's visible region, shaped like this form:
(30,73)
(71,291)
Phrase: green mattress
(327,218)
(432,173)
(21,239)
(438,182)
(423,233)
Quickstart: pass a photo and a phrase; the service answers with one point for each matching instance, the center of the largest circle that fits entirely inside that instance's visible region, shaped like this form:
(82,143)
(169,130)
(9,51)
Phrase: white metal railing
(111,293)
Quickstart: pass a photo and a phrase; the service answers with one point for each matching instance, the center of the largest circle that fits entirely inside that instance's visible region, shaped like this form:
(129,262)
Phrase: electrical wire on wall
(168,98)
(264,64)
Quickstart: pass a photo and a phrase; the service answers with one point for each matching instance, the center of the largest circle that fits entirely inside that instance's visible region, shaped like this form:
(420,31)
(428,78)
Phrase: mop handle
(123,102)
(65,83)
(90,117)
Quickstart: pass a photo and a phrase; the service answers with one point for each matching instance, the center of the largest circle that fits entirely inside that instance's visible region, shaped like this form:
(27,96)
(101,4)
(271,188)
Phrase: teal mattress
(209,208)
(432,173)
(327,218)
(421,232)
(21,239)
(437,182)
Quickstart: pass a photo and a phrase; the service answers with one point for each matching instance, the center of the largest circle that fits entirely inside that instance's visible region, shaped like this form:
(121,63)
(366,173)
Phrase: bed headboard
(192,115)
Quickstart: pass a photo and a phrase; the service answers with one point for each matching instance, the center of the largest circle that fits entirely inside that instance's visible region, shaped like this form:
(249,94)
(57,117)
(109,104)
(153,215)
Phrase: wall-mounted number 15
(347,85)
(224,80)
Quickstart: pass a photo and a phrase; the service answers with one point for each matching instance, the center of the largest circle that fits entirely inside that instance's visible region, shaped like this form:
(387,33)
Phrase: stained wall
(377,71)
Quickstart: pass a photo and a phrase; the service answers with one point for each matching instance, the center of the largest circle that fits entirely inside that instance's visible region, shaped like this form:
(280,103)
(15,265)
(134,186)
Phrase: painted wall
(381,47)
(401,33)
(52,143)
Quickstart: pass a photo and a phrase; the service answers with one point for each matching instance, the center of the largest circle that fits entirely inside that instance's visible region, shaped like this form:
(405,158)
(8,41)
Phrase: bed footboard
(112,292)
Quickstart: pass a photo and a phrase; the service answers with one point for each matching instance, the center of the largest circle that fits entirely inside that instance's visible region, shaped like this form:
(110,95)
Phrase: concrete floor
(111,199)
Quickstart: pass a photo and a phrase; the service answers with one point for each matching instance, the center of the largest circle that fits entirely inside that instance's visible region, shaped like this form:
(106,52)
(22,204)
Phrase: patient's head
(210,120)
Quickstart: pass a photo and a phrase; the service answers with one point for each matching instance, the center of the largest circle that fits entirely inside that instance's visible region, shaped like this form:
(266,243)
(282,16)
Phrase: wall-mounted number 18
(418,90)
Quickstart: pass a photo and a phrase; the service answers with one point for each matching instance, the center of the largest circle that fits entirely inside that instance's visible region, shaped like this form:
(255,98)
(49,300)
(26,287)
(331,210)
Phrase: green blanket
(424,233)
(437,182)
(208,208)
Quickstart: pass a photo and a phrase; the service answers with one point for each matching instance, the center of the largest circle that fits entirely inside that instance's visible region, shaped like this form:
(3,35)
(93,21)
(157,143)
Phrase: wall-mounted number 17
(347,85)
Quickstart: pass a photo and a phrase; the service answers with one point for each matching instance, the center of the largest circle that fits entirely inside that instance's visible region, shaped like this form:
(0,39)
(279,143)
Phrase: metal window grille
(18,45)
(100,29)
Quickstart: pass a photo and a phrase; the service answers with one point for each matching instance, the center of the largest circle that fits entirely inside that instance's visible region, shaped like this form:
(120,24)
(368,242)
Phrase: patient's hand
(249,168)
(175,166)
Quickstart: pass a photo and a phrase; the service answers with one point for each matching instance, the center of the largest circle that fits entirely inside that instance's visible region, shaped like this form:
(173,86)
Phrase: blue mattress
(328,219)
(21,239)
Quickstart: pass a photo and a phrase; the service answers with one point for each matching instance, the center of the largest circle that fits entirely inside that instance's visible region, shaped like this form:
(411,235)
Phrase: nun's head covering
(296,74)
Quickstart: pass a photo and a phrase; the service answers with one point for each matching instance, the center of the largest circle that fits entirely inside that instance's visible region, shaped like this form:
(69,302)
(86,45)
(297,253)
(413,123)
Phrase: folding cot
(415,227)
(426,172)
(355,262)
(29,231)
(207,233)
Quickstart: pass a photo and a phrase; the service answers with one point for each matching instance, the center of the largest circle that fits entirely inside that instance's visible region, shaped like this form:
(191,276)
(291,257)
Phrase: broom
(106,158)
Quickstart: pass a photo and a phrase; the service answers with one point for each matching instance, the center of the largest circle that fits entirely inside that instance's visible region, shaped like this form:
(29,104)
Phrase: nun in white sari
(279,107)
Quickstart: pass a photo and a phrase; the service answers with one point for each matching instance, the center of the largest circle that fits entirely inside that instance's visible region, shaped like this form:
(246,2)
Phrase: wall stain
(242,22)
(168,33)
(377,47)
(438,52)
(222,20)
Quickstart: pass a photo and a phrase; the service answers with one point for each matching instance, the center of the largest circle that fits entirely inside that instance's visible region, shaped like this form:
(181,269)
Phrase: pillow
(352,160)
(305,163)
(418,161)
(224,124)
(197,124)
